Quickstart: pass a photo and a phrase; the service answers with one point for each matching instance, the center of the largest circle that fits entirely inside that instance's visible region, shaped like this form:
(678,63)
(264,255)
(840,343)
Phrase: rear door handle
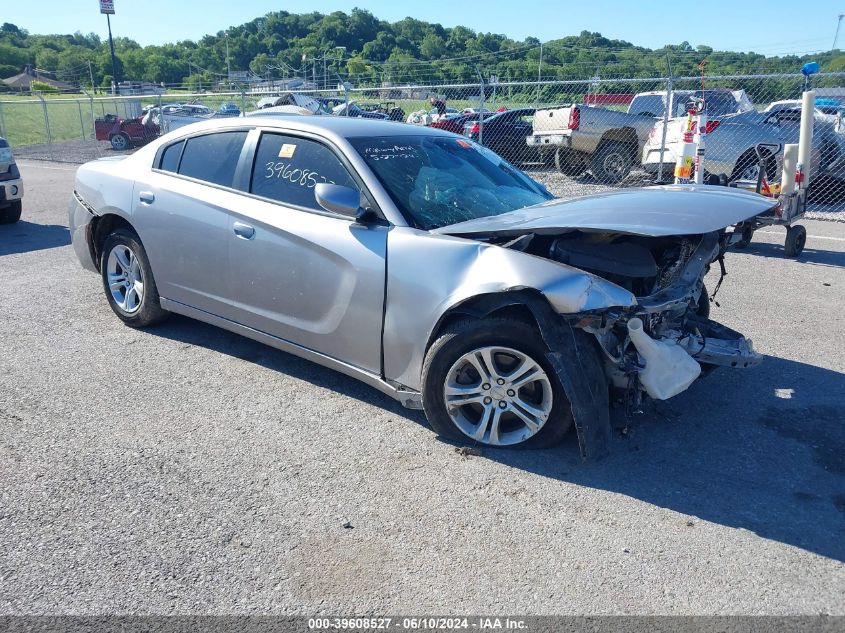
(243,231)
(147,197)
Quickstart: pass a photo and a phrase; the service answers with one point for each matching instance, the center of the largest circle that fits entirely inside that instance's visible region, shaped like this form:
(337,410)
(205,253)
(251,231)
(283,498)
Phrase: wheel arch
(625,135)
(101,227)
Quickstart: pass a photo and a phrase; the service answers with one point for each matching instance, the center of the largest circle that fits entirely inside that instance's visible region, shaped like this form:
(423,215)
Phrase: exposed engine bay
(660,346)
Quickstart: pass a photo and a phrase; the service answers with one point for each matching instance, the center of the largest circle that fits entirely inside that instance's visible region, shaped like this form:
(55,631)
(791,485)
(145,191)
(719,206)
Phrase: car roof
(347,127)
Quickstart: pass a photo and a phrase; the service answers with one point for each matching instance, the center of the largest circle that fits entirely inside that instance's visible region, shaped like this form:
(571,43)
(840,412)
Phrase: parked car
(11,186)
(456,123)
(607,142)
(731,141)
(122,133)
(229,109)
(353,110)
(505,134)
(503,312)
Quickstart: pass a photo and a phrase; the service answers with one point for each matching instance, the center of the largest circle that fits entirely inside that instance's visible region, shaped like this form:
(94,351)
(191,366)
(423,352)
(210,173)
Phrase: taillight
(711,126)
(475,128)
(574,118)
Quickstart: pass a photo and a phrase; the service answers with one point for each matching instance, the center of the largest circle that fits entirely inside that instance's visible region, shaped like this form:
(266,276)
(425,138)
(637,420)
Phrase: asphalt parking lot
(184,469)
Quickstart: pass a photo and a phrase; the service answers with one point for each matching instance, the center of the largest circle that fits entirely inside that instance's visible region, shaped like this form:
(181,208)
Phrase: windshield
(440,180)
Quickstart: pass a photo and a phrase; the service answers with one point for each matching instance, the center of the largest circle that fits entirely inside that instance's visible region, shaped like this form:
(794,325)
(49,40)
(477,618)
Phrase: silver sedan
(420,263)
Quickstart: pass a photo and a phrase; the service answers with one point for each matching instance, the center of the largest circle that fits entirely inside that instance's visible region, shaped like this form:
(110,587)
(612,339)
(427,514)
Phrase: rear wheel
(612,162)
(570,163)
(488,382)
(128,280)
(796,237)
(12,213)
(120,142)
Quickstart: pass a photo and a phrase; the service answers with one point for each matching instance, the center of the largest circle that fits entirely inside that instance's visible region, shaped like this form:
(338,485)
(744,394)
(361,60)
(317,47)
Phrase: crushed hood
(650,211)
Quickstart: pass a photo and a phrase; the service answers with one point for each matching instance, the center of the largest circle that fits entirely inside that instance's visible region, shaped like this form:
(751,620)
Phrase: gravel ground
(187,470)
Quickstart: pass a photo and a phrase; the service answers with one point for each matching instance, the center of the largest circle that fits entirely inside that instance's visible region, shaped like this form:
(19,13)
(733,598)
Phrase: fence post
(81,123)
(2,122)
(243,101)
(47,124)
(481,110)
(93,116)
(666,108)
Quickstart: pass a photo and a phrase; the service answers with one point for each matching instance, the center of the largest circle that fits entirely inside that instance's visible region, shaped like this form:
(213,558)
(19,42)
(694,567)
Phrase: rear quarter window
(170,157)
(212,157)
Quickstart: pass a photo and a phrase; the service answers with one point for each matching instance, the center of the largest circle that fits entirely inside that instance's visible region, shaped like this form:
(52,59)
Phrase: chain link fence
(576,137)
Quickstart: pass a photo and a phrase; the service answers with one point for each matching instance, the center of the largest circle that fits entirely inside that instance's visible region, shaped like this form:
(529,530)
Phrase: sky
(770,27)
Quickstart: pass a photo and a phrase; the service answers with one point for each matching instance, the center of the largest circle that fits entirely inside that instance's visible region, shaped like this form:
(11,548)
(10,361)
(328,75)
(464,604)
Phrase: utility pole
(228,66)
(91,76)
(838,24)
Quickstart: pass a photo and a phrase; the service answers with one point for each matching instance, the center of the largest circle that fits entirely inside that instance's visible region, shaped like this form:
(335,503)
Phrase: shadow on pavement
(23,237)
(761,450)
(809,255)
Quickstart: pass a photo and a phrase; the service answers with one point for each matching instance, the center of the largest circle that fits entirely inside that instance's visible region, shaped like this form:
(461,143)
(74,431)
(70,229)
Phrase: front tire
(12,213)
(488,382)
(128,280)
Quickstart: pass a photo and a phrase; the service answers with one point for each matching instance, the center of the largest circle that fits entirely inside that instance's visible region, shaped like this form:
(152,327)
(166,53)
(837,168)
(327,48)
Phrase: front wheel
(487,381)
(12,213)
(128,280)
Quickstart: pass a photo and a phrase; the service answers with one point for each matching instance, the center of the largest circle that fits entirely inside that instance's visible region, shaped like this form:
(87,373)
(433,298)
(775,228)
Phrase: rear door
(296,271)
(181,211)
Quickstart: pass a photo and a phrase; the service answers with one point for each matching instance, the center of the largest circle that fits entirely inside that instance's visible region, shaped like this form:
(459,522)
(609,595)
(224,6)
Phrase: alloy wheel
(125,279)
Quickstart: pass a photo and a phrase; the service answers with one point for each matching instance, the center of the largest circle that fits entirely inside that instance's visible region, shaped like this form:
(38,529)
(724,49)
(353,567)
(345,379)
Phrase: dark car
(505,133)
(229,109)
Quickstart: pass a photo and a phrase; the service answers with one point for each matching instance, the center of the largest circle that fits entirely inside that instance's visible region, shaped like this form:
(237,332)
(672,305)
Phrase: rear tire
(612,162)
(12,213)
(796,237)
(570,163)
(119,142)
(128,280)
(498,399)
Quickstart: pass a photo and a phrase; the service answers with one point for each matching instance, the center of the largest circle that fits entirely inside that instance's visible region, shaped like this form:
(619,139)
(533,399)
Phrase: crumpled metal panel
(649,211)
(429,274)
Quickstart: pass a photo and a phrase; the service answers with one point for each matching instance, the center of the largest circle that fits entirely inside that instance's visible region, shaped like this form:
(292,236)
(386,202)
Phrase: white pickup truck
(607,142)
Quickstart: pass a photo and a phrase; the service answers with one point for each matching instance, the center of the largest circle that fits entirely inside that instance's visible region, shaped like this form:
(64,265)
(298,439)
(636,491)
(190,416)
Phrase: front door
(300,273)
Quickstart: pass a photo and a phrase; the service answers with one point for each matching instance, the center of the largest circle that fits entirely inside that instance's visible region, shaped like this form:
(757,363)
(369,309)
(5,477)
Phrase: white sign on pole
(107,6)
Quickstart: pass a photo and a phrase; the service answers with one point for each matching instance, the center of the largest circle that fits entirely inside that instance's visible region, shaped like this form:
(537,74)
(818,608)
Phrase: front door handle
(147,197)
(243,231)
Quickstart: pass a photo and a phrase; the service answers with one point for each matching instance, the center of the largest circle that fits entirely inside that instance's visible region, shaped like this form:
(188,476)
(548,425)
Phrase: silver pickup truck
(11,186)
(606,142)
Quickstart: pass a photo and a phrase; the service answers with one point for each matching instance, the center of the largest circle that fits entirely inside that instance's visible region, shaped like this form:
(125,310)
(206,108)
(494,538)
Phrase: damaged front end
(654,349)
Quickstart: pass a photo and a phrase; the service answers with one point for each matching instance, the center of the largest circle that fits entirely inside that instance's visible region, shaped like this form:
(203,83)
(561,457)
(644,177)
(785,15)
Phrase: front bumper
(10,190)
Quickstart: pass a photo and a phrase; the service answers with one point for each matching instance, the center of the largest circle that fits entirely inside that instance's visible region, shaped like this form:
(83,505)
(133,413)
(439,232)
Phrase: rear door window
(212,157)
(288,168)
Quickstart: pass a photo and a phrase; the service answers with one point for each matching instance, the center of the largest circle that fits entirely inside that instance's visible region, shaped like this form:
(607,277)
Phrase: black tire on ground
(464,336)
(119,142)
(747,236)
(149,311)
(570,163)
(12,213)
(612,162)
(796,237)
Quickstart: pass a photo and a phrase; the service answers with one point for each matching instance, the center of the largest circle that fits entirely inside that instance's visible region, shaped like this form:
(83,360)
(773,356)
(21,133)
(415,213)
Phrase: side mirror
(338,199)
